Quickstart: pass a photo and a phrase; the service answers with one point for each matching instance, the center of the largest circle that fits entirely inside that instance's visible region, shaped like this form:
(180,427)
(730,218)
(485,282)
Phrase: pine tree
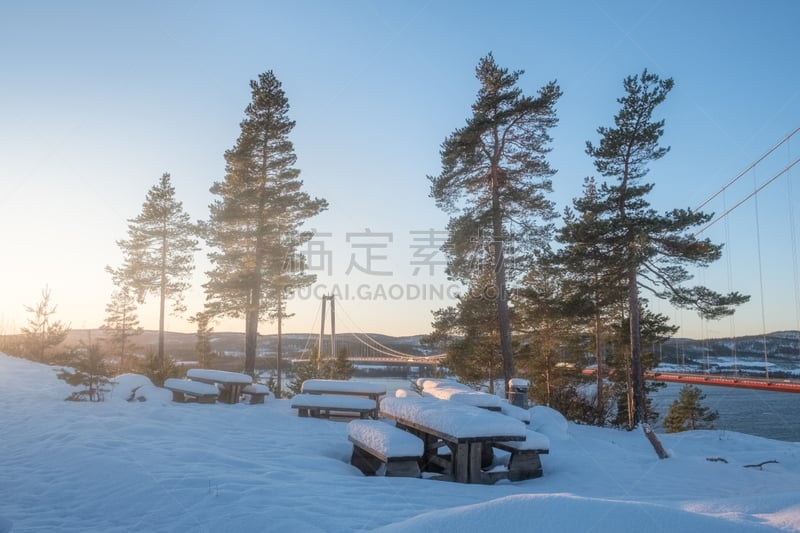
(158,369)
(254,225)
(42,332)
(202,348)
(653,249)
(158,256)
(468,332)
(686,412)
(550,358)
(121,323)
(88,369)
(655,328)
(594,284)
(340,366)
(494,171)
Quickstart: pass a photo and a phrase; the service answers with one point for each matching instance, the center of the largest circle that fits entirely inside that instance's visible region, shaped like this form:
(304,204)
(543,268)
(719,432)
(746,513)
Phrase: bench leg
(403,469)
(178,396)
(524,465)
(461,463)
(366,462)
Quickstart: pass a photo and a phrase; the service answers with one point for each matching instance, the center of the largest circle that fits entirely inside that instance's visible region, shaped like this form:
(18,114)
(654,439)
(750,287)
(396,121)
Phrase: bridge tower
(320,353)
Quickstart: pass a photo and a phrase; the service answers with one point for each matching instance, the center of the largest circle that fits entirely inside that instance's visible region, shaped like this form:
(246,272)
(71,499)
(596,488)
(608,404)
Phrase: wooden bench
(256,392)
(321,405)
(524,462)
(377,444)
(184,390)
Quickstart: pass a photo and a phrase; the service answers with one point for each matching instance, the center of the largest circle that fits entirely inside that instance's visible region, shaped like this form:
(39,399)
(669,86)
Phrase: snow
(405,393)
(432,383)
(468,397)
(523,415)
(219,376)
(519,383)
(161,466)
(384,438)
(256,388)
(191,387)
(331,402)
(533,441)
(343,386)
(454,419)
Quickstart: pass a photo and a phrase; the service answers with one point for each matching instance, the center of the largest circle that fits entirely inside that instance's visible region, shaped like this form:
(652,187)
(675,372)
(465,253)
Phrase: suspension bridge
(759,259)
(754,262)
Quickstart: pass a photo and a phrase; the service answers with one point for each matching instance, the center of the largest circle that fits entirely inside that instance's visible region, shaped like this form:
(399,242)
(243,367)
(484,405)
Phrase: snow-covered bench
(322,405)
(524,462)
(184,390)
(377,444)
(256,392)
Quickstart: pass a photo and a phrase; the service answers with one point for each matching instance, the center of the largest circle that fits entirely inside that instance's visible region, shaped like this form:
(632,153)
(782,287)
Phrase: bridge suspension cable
(743,200)
(745,171)
(310,336)
(382,348)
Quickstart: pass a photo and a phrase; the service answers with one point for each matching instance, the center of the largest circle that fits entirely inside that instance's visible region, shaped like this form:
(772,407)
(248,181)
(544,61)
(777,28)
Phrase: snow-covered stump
(377,444)
(518,392)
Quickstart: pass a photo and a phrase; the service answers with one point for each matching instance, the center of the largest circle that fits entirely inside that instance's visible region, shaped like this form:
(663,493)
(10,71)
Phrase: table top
(452,421)
(342,386)
(218,376)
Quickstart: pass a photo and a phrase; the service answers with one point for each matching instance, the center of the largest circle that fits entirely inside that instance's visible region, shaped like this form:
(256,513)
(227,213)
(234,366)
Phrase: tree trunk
(163,302)
(636,348)
(503,319)
(601,412)
(637,376)
(251,333)
(278,386)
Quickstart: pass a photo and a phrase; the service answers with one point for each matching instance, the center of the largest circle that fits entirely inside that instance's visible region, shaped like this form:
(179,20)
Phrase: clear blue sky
(98,99)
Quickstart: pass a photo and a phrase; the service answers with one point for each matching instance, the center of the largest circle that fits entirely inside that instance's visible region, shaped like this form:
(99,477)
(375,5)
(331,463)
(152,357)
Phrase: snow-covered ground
(155,465)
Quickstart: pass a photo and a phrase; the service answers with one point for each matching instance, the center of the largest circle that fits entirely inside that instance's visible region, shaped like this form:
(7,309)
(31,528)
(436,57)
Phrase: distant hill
(181,345)
(782,350)
(782,347)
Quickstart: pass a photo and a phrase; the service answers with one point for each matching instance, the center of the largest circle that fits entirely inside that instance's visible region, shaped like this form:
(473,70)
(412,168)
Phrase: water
(773,415)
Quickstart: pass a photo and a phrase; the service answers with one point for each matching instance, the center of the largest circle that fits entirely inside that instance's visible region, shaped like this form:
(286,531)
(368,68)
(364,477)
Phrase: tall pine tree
(653,249)
(158,256)
(494,172)
(254,227)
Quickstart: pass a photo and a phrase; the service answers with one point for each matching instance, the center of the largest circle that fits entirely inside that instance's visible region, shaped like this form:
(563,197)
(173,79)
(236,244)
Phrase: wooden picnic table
(467,431)
(231,384)
(345,387)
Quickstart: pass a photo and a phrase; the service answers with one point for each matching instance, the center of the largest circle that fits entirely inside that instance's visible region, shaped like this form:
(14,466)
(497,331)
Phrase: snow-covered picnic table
(469,432)
(445,389)
(345,387)
(229,383)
